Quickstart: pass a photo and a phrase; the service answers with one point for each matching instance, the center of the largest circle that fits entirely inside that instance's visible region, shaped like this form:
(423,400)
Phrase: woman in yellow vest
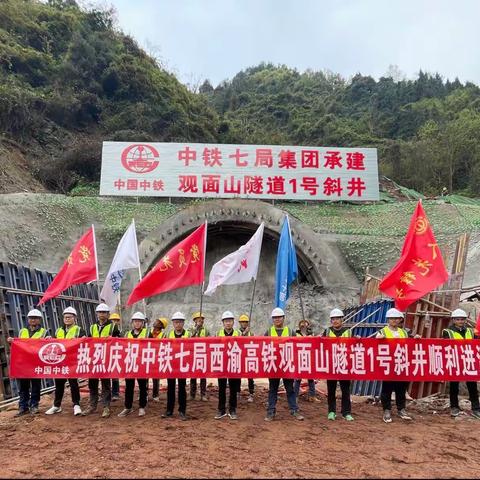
(458,330)
(199,330)
(391,331)
(29,388)
(158,331)
(228,320)
(69,330)
(178,322)
(139,330)
(278,329)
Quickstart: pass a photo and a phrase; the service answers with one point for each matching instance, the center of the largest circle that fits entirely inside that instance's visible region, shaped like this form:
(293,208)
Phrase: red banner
(248,357)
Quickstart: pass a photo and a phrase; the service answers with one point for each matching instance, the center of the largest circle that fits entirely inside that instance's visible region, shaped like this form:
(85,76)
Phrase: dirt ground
(62,446)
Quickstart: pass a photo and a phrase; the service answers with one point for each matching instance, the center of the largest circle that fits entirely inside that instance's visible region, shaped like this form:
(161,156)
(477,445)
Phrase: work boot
(34,410)
(106,412)
(203,398)
(404,415)
(141,412)
(387,416)
(167,414)
(53,410)
(182,416)
(156,399)
(125,412)
(115,398)
(77,410)
(21,413)
(348,417)
(233,415)
(297,416)
(220,415)
(269,417)
(454,412)
(90,409)
(250,398)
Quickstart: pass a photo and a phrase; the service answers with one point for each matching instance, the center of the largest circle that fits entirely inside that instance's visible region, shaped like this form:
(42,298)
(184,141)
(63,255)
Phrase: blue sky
(215,39)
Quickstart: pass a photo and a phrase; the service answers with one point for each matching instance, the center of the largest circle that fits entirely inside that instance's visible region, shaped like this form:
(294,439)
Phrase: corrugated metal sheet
(375,311)
(20,290)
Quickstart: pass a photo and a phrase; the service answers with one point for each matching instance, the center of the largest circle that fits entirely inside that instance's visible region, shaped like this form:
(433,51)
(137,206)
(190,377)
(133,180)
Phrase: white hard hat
(102,308)
(35,313)
(394,313)
(138,316)
(227,314)
(178,316)
(278,312)
(336,312)
(70,310)
(459,313)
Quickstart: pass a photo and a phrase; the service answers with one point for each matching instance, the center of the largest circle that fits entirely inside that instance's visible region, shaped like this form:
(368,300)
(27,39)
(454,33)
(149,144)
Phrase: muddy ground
(61,446)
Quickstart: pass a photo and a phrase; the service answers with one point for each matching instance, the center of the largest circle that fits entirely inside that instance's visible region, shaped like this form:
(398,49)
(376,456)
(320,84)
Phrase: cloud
(216,39)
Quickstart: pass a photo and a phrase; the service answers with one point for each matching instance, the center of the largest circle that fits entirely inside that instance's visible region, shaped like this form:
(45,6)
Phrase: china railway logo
(140,158)
(52,353)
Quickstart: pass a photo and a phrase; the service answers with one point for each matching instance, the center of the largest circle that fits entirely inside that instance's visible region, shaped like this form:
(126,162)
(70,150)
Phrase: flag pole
(96,260)
(253,295)
(202,285)
(298,281)
(140,276)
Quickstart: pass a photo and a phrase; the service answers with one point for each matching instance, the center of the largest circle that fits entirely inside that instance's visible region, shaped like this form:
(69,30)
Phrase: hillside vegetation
(70,79)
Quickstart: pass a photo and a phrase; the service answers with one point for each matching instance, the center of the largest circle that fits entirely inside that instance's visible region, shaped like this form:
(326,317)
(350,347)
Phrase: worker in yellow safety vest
(158,331)
(117,320)
(228,321)
(278,329)
(199,330)
(102,329)
(336,330)
(304,330)
(69,331)
(245,331)
(178,331)
(392,331)
(139,330)
(29,388)
(458,330)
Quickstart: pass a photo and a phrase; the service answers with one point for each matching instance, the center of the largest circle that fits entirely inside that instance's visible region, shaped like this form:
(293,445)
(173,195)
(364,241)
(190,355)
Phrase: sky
(216,39)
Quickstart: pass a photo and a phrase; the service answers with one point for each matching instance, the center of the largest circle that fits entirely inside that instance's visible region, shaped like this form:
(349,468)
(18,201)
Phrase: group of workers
(108,325)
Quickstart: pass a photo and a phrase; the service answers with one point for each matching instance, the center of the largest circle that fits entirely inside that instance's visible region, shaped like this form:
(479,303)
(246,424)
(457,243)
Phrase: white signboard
(239,171)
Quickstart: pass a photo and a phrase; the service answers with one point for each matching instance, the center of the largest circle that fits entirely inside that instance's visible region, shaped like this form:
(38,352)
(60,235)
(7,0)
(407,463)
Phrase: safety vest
(389,334)
(249,334)
(25,333)
(72,332)
(202,333)
(185,334)
(143,333)
(159,335)
(221,333)
(345,334)
(285,332)
(106,331)
(469,334)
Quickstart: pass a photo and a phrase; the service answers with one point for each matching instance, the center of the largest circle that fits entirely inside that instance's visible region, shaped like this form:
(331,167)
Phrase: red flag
(420,268)
(182,265)
(80,267)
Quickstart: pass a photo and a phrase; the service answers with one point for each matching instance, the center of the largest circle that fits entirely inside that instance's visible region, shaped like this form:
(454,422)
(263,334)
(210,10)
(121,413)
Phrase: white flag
(125,257)
(238,267)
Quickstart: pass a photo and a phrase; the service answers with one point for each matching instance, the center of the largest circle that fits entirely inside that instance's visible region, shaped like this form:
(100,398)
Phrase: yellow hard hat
(243,318)
(163,321)
(197,315)
(114,316)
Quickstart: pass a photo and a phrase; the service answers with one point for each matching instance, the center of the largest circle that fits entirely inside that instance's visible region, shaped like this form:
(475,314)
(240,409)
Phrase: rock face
(325,280)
